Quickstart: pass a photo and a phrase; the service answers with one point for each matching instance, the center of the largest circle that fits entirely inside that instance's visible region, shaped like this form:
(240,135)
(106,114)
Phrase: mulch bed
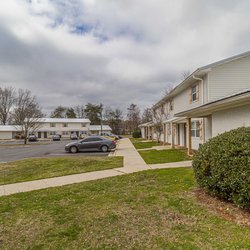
(224,209)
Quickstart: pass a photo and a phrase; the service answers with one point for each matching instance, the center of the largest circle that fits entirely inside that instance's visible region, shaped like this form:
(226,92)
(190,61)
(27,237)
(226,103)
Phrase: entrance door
(39,135)
(45,135)
(185,135)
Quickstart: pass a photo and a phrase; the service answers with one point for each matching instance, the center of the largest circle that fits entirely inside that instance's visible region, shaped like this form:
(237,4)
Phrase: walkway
(132,163)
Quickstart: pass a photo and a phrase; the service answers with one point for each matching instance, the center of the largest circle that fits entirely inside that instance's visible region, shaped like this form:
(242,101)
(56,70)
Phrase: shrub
(222,166)
(136,134)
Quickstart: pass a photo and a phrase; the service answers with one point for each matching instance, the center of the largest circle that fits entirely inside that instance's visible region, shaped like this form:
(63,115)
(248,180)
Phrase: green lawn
(39,168)
(164,156)
(146,210)
(140,143)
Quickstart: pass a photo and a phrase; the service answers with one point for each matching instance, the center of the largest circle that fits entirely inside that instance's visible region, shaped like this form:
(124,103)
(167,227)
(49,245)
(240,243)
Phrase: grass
(142,143)
(146,210)
(39,168)
(164,156)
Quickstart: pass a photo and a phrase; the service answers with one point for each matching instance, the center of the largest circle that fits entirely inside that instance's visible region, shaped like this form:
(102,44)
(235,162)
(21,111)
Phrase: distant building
(52,126)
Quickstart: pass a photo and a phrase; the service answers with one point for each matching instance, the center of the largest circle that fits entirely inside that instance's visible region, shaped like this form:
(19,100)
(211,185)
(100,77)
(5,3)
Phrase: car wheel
(73,150)
(104,148)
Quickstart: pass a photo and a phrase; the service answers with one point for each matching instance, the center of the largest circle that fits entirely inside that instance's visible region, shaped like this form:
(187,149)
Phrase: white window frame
(195,129)
(195,94)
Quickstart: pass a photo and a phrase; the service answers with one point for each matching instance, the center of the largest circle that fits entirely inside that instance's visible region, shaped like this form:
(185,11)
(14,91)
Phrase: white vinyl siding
(230,119)
(229,78)
(183,102)
(5,135)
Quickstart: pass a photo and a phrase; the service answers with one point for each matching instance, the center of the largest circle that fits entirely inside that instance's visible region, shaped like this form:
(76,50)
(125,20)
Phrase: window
(52,125)
(65,132)
(194,96)
(52,133)
(92,139)
(195,129)
(65,125)
(83,125)
(171,105)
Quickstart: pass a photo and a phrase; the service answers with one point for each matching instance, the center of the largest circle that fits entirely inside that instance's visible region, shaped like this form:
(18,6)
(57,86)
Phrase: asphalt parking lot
(12,152)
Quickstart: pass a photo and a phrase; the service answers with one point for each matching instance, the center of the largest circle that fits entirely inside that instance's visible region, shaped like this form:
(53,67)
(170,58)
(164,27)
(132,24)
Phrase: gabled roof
(98,127)
(10,128)
(63,120)
(199,72)
(146,124)
(227,60)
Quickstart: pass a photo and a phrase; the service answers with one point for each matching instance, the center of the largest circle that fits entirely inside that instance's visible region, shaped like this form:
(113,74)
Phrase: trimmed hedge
(222,166)
(136,134)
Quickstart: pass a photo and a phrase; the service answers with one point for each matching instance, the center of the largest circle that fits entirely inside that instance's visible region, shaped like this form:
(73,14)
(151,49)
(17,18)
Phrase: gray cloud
(114,52)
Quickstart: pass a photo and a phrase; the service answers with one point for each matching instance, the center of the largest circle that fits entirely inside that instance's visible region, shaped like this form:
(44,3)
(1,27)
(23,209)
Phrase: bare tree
(147,115)
(133,117)
(168,89)
(7,98)
(79,110)
(159,115)
(113,117)
(158,118)
(185,74)
(27,113)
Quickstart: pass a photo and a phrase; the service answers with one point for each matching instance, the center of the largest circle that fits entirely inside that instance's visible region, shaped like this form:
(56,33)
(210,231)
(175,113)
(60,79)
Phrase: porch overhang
(176,120)
(205,110)
(147,124)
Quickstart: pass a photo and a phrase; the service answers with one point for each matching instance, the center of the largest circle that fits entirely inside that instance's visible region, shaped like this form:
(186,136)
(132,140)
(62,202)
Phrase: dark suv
(32,138)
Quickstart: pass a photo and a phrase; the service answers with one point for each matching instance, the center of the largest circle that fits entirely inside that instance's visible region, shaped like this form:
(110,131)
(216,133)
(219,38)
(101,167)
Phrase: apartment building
(213,99)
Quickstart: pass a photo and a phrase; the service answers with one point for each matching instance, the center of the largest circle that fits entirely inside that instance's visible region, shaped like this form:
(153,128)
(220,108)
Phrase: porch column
(164,134)
(173,135)
(189,141)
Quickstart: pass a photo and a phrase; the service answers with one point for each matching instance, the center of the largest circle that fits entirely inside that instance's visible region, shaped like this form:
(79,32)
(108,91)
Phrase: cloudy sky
(114,52)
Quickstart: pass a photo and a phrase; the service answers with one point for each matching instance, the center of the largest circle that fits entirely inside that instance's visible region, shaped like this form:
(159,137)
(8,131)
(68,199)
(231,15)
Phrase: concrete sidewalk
(180,164)
(132,163)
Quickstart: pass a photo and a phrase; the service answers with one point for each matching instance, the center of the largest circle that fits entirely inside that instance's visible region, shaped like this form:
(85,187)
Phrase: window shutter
(190,95)
(201,129)
(197,91)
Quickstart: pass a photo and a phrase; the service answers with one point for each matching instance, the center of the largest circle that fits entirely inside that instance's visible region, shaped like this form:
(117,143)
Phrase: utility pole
(101,122)
(101,116)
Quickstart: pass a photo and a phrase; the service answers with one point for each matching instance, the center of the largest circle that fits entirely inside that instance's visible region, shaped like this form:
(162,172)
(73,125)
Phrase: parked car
(117,137)
(56,138)
(109,137)
(82,136)
(73,137)
(32,138)
(91,143)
